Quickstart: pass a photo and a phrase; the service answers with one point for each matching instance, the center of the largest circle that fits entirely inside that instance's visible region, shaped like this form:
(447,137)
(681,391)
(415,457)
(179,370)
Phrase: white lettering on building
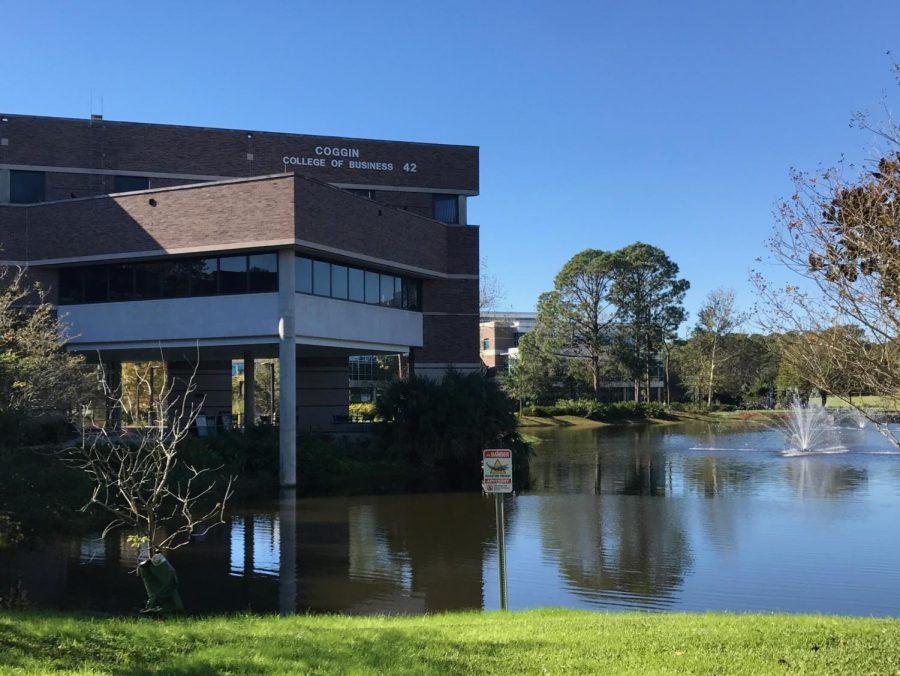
(333,152)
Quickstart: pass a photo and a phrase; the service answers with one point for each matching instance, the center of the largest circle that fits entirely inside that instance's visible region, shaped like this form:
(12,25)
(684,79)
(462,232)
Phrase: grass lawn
(523,642)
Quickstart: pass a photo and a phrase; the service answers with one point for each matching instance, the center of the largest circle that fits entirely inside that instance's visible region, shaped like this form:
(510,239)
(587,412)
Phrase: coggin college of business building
(201,246)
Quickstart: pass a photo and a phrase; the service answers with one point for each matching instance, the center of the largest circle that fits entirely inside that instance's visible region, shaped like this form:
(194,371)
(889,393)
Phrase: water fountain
(808,428)
(857,417)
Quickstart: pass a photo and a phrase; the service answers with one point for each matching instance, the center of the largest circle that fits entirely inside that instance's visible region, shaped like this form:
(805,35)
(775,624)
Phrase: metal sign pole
(501,547)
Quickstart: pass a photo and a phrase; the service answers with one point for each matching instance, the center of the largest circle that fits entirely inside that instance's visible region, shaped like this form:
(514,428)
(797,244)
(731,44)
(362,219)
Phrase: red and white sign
(497,466)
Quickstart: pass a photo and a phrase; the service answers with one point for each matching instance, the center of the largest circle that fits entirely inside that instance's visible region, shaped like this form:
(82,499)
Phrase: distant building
(499,337)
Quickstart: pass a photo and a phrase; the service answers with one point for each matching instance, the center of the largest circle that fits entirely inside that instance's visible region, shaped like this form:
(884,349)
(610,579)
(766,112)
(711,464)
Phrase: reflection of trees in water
(617,545)
(821,478)
(630,462)
(713,476)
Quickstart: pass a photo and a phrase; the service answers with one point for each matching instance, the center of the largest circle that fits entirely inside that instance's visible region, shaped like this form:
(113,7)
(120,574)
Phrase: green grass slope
(539,641)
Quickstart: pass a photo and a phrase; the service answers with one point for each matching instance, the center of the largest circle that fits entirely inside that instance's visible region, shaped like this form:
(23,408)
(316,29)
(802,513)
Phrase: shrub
(443,426)
(595,410)
(364,412)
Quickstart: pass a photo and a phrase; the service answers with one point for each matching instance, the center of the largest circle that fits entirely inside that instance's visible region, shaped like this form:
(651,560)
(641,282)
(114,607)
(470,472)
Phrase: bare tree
(490,290)
(717,319)
(839,235)
(140,480)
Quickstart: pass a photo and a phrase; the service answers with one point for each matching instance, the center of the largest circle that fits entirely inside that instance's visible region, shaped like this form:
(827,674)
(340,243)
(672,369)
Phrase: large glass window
(303,270)
(387,290)
(27,187)
(130,183)
(263,271)
(147,281)
(339,281)
(96,284)
(70,290)
(233,274)
(203,277)
(357,285)
(321,278)
(176,278)
(372,285)
(446,208)
(121,282)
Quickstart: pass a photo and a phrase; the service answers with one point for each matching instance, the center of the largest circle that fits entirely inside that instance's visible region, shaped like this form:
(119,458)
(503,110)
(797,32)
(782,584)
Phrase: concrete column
(287,551)
(287,369)
(249,390)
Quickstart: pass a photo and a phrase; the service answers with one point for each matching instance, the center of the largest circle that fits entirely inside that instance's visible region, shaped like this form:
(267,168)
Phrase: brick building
(205,244)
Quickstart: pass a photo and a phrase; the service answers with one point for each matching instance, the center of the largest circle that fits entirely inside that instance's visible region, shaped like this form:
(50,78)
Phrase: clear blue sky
(600,123)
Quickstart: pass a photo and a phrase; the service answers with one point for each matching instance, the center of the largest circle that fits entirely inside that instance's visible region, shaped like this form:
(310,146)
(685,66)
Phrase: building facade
(499,334)
(199,246)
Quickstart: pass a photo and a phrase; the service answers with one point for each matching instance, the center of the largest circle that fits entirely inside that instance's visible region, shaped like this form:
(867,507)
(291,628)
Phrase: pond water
(679,517)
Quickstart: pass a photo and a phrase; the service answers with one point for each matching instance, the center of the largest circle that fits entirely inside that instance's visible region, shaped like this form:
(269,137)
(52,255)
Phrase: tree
(648,296)
(840,239)
(717,319)
(574,320)
(141,481)
(490,290)
(37,375)
(530,374)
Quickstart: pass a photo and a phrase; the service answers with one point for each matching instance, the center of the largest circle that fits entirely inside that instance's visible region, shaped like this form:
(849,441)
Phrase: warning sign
(497,466)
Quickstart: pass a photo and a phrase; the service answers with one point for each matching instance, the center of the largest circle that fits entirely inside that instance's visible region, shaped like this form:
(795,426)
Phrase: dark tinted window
(303,270)
(121,282)
(411,294)
(357,285)
(95,284)
(27,187)
(233,274)
(147,281)
(203,277)
(338,281)
(372,292)
(129,183)
(263,273)
(321,278)
(70,285)
(446,208)
(177,278)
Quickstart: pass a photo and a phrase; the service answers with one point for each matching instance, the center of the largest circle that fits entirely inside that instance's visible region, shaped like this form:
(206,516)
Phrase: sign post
(497,467)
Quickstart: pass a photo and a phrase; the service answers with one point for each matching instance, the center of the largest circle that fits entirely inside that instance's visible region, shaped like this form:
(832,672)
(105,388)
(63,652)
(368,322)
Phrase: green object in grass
(161,582)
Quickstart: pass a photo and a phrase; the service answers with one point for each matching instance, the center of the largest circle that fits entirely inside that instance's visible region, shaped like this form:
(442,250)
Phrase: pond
(676,517)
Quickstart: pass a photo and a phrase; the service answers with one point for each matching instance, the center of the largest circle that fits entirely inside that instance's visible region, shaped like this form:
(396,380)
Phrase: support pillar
(287,369)
(249,391)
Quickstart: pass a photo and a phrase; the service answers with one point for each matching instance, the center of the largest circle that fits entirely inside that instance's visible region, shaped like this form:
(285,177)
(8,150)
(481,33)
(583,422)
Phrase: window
(96,284)
(147,281)
(303,271)
(121,282)
(203,277)
(70,290)
(357,285)
(129,183)
(233,274)
(321,278)
(411,294)
(486,344)
(263,273)
(372,292)
(176,278)
(387,290)
(338,281)
(27,187)
(446,208)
